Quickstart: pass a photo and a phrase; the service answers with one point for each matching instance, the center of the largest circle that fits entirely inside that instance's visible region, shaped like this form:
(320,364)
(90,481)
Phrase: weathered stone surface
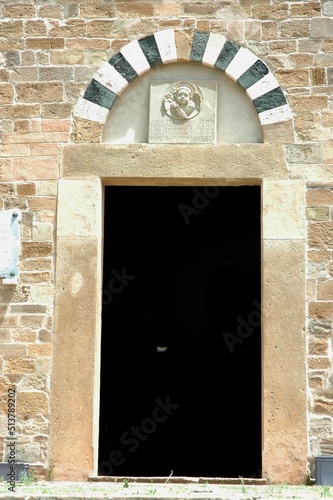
(86,131)
(321,427)
(319,363)
(321,235)
(240,161)
(318,346)
(321,28)
(323,404)
(20,365)
(318,213)
(32,403)
(284,397)
(321,310)
(283,201)
(325,290)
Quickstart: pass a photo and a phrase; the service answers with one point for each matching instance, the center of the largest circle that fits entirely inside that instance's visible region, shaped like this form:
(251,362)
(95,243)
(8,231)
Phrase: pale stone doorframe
(86,168)
(75,389)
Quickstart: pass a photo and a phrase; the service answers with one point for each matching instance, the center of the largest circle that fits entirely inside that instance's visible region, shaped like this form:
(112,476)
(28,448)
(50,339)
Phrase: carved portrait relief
(183,100)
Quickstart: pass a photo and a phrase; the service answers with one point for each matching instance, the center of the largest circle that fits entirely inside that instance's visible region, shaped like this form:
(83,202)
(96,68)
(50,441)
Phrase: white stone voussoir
(242,61)
(135,56)
(275,115)
(267,83)
(213,48)
(90,111)
(166,44)
(108,76)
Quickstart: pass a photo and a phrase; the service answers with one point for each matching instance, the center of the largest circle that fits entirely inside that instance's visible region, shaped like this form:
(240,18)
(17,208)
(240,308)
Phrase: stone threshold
(180,480)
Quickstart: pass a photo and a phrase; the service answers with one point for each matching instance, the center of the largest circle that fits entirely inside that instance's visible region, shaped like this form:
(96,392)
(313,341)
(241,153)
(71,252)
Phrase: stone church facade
(67,70)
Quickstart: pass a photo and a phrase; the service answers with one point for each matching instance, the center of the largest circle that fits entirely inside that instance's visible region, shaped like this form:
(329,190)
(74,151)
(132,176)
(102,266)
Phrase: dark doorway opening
(181,343)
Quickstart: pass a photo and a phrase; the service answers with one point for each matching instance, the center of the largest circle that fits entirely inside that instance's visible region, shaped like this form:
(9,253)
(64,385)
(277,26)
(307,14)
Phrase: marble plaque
(182,111)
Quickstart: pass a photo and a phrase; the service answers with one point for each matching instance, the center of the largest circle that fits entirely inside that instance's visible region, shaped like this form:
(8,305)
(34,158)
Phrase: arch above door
(168,46)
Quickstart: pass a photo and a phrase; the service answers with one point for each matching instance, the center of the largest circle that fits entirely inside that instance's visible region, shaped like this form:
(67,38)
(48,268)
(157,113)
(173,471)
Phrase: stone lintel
(238,163)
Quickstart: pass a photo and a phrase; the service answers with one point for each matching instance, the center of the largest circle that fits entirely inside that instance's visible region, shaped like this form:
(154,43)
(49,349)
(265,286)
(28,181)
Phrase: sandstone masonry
(50,51)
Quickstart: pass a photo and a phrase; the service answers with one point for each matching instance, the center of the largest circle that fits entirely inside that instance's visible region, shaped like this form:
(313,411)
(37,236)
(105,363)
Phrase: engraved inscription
(187,132)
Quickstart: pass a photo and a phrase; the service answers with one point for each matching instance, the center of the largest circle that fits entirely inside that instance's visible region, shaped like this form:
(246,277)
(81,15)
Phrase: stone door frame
(85,170)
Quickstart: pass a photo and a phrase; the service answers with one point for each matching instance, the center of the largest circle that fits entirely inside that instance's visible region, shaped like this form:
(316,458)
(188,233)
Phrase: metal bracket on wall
(9,245)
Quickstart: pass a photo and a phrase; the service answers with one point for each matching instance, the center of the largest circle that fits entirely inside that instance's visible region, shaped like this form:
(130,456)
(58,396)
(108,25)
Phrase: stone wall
(49,53)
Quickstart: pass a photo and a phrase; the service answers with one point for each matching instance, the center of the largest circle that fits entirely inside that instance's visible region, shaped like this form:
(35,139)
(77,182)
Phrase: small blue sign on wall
(9,245)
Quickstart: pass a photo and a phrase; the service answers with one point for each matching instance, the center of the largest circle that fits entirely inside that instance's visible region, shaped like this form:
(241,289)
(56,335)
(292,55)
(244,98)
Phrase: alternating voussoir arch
(168,46)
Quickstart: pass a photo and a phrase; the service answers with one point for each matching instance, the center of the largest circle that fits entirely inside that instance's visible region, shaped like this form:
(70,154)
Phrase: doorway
(181,342)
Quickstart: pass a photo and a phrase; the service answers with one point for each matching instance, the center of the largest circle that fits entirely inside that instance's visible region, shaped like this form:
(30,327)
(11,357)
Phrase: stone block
(35,28)
(321,427)
(42,203)
(105,28)
(67,57)
(36,249)
(39,149)
(45,43)
(283,210)
(308,103)
(270,12)
(38,350)
(323,404)
(21,111)
(318,346)
(86,131)
(38,167)
(318,213)
(72,28)
(135,10)
(20,366)
(11,29)
(307,9)
(241,161)
(293,77)
(319,196)
(283,46)
(319,255)
(51,11)
(35,425)
(320,235)
(321,310)
(284,397)
(6,93)
(327,118)
(304,153)
(59,110)
(319,363)
(295,28)
(321,28)
(40,92)
(88,11)
(74,195)
(278,132)
(325,290)
(32,403)
(24,335)
(318,76)
(62,73)
(184,45)
(19,11)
